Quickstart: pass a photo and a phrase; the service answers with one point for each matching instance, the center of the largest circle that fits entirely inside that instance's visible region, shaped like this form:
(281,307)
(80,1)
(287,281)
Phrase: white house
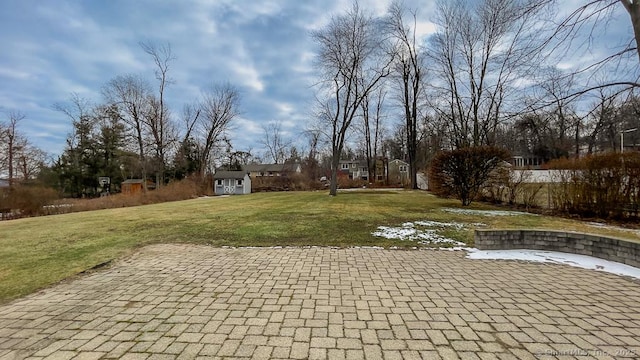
(231,183)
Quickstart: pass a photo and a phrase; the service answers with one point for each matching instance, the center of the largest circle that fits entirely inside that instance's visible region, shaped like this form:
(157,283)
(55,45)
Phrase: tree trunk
(633,8)
(335,161)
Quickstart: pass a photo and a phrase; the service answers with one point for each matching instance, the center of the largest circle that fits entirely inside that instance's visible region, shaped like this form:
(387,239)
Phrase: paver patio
(185,301)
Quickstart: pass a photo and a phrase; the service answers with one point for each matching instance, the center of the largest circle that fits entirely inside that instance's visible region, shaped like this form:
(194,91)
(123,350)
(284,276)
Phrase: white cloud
(248,75)
(15,74)
(424,29)
(243,127)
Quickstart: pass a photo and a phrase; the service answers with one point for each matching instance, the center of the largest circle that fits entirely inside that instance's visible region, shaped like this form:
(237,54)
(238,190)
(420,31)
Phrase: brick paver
(185,301)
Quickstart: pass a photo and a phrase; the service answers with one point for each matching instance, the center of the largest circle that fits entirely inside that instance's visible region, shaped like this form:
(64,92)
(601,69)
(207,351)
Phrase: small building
(231,183)
(134,186)
(399,172)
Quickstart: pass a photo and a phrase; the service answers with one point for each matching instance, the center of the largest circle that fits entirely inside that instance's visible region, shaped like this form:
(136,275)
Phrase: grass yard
(38,252)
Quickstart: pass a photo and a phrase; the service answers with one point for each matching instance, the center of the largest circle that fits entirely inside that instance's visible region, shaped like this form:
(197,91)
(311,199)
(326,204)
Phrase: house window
(239,182)
(219,182)
(354,165)
(403,168)
(345,167)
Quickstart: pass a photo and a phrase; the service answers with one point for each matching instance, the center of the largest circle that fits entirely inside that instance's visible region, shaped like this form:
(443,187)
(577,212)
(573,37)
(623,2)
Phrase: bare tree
(158,119)
(219,106)
(351,61)
(603,127)
(409,69)
(29,160)
(13,141)
(480,52)
(130,94)
(373,127)
(577,31)
(275,142)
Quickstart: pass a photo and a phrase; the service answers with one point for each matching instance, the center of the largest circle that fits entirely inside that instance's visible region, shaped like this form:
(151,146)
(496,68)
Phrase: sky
(51,49)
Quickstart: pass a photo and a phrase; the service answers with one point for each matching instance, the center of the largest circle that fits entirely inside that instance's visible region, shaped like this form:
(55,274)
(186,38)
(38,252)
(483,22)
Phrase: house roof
(399,162)
(229,174)
(269,167)
(359,162)
(132,181)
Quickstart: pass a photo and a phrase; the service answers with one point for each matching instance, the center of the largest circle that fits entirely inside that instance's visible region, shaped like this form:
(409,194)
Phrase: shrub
(602,185)
(463,172)
(188,188)
(27,200)
(293,182)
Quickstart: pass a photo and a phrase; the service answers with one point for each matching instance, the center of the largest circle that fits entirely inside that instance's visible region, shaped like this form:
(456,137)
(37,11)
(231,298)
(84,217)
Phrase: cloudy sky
(51,49)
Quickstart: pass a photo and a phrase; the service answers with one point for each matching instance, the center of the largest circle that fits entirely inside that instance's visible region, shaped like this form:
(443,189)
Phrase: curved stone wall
(608,248)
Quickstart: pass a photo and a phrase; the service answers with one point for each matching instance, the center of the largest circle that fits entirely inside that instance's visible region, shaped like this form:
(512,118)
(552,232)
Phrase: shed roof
(229,175)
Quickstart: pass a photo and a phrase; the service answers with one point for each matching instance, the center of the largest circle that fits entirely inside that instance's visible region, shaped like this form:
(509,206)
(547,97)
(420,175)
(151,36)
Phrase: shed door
(229,186)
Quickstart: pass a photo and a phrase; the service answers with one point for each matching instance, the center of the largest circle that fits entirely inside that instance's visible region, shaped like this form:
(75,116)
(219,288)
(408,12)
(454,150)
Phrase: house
(399,172)
(231,183)
(134,186)
(356,169)
(526,161)
(359,170)
(260,170)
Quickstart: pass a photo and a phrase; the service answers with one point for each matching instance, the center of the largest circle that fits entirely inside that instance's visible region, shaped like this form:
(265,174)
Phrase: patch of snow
(439,224)
(485,212)
(581,261)
(457,248)
(409,232)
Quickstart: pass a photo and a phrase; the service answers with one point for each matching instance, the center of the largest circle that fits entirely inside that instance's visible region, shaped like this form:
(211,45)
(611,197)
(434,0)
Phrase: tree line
(487,76)
(130,133)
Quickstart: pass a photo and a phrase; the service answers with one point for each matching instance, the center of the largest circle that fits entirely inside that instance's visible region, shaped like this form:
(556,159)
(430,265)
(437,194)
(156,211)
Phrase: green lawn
(37,252)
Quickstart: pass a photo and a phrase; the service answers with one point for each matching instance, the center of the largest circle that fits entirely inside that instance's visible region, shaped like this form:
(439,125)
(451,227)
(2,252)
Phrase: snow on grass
(612,227)
(485,212)
(423,232)
(581,261)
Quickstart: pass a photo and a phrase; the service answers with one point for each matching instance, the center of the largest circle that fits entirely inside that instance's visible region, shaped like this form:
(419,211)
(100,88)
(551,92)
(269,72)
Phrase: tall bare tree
(373,115)
(130,95)
(275,142)
(219,107)
(351,61)
(480,52)
(13,141)
(158,119)
(409,70)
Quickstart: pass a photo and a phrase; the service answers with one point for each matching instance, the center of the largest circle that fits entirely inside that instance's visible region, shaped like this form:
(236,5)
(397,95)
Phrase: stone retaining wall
(608,248)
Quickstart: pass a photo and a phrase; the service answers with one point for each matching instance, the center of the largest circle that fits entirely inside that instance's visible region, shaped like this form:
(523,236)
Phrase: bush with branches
(464,172)
(602,185)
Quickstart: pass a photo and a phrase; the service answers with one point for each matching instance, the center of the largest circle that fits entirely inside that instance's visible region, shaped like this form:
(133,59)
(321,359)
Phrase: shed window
(219,182)
(239,182)
(403,168)
(345,166)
